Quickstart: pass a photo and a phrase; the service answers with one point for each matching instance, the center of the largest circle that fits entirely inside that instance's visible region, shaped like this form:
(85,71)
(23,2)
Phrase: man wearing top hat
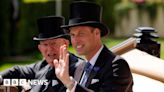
(50,38)
(103,71)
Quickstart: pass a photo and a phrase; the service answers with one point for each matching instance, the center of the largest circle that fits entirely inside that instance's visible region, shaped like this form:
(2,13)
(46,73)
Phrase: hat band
(80,20)
(45,35)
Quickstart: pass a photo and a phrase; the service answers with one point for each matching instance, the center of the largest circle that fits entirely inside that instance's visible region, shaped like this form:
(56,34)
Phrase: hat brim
(104,29)
(66,36)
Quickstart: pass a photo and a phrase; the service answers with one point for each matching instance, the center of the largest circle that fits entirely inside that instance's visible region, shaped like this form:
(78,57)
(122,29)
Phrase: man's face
(84,39)
(50,48)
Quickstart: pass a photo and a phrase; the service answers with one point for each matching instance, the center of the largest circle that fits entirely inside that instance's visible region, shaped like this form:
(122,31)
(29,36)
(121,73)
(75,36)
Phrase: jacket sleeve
(20,72)
(79,88)
(119,79)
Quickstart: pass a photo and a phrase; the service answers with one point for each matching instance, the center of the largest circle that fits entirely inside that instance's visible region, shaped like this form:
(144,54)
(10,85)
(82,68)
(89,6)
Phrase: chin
(80,53)
(51,64)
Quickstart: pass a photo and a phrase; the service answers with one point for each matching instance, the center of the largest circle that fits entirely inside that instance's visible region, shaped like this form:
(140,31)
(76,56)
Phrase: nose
(75,39)
(51,51)
(50,48)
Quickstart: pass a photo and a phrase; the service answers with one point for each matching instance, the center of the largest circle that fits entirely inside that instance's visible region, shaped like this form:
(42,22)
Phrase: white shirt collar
(94,58)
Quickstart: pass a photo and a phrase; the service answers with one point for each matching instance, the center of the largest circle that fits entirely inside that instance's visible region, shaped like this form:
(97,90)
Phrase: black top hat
(49,28)
(87,14)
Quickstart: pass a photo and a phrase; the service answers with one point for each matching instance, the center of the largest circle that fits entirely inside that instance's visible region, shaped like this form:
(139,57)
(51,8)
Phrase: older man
(50,38)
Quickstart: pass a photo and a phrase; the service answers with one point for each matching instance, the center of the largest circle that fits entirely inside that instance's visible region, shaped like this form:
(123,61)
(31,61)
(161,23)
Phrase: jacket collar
(105,56)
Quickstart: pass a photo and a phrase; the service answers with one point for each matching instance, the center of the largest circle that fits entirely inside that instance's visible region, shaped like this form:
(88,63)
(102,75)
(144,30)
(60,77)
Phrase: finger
(57,67)
(56,63)
(64,52)
(60,52)
(67,60)
(65,63)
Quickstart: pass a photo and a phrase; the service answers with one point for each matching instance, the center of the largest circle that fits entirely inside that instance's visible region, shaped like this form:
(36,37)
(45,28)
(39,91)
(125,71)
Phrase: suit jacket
(110,73)
(41,71)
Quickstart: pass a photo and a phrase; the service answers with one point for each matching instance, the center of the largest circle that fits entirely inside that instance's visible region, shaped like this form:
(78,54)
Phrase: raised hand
(62,66)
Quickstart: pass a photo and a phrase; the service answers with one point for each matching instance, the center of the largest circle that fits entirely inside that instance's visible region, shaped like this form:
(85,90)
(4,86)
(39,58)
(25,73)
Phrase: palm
(61,65)
(60,68)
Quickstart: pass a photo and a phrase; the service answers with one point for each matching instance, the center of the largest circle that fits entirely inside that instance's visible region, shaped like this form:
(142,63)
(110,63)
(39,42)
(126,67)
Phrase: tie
(87,70)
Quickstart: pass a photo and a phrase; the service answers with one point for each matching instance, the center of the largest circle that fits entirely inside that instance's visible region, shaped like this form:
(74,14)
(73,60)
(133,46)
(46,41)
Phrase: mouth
(52,56)
(79,48)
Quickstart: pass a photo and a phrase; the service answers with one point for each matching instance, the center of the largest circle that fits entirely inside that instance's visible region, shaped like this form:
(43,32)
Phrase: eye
(72,35)
(81,34)
(53,43)
(44,44)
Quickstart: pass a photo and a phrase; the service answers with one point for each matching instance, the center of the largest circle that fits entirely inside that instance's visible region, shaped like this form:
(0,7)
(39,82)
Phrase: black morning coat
(110,73)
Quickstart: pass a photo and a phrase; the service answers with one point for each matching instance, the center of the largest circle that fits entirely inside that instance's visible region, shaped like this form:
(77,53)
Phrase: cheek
(73,41)
(56,50)
(90,41)
(43,51)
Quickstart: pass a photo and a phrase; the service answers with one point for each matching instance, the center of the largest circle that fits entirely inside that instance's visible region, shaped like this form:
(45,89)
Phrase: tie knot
(88,66)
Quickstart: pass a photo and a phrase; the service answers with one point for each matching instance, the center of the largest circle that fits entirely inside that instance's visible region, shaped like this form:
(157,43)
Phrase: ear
(39,47)
(67,42)
(97,31)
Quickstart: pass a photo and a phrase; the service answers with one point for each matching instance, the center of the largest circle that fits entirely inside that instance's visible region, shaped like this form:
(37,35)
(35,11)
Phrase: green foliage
(123,8)
(151,8)
(34,1)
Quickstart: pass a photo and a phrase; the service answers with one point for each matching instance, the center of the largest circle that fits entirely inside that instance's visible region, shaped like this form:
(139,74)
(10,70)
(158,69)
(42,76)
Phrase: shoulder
(115,61)
(120,67)
(120,61)
(75,59)
(106,55)
(39,65)
(112,56)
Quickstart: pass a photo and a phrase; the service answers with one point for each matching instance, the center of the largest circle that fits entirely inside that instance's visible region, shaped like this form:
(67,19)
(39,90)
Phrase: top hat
(49,28)
(84,13)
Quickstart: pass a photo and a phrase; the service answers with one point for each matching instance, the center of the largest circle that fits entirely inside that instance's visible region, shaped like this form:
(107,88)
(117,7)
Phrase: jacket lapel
(100,63)
(79,71)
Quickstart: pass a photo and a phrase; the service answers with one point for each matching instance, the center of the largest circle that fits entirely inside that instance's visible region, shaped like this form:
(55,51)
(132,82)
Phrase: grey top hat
(49,28)
(84,13)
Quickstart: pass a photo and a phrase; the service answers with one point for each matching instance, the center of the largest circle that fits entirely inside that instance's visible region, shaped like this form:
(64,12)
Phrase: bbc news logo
(22,82)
